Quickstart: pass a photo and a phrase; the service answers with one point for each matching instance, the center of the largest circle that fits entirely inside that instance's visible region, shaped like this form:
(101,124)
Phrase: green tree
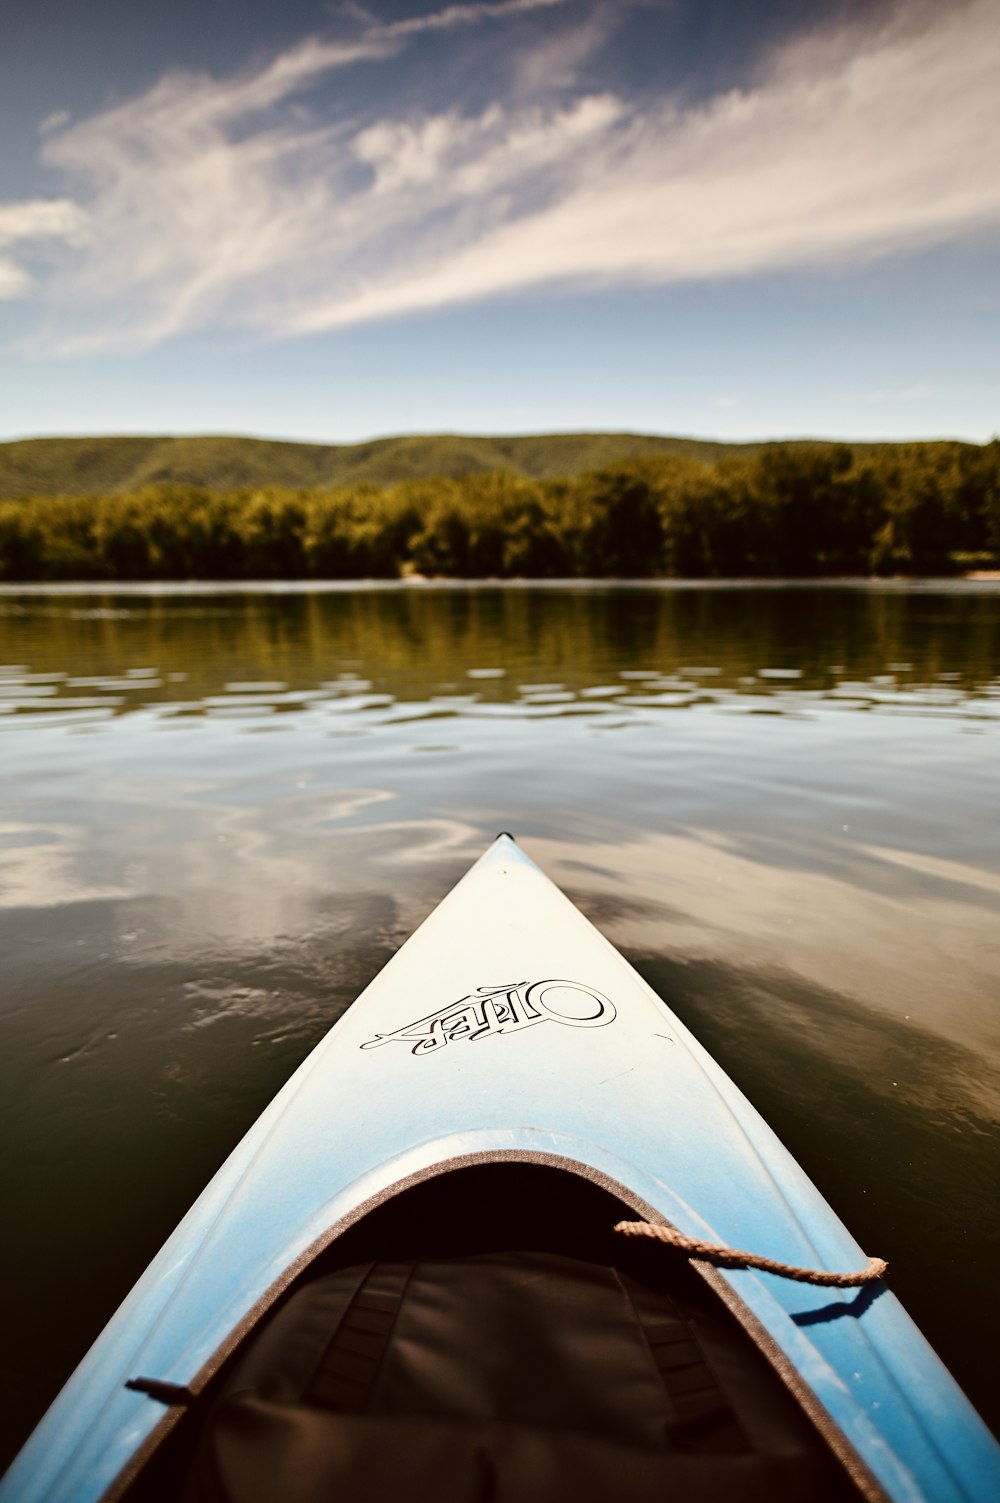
(22,547)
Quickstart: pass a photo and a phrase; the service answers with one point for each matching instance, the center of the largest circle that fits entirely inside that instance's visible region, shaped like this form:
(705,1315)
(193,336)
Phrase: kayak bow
(508,1031)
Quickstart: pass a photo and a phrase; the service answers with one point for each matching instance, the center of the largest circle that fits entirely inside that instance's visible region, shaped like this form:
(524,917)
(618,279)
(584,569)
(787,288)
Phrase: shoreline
(421,582)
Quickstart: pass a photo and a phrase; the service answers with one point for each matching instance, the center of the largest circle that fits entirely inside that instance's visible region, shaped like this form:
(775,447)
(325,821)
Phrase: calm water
(220,812)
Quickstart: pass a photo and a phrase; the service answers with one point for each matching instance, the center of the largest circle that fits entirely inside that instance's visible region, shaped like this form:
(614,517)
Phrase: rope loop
(731,1257)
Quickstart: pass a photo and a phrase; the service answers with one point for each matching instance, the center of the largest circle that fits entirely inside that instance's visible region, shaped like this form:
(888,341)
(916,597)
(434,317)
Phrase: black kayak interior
(485,1337)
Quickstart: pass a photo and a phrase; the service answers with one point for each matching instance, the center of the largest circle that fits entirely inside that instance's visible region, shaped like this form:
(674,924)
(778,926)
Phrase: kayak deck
(484,1336)
(508,1031)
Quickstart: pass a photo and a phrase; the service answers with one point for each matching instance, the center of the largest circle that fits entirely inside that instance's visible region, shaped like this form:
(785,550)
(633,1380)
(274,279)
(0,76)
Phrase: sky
(335,221)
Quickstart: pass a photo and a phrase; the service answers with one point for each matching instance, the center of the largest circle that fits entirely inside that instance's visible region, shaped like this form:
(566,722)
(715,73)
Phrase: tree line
(785,511)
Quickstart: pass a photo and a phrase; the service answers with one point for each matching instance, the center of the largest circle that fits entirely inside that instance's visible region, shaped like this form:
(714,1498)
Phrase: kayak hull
(507,1028)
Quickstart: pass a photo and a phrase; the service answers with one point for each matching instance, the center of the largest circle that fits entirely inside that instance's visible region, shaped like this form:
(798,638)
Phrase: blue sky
(729,218)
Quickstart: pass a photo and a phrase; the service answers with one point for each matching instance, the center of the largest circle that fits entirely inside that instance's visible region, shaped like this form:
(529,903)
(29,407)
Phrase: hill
(634,507)
(108,466)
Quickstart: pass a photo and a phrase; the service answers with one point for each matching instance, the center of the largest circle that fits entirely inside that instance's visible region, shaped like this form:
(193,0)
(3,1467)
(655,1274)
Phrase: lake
(221,810)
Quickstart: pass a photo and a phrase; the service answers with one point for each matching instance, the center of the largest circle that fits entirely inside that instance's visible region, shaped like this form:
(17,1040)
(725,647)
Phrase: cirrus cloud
(252,202)
(23,226)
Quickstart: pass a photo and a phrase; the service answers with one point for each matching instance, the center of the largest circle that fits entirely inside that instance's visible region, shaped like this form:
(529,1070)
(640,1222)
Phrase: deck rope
(731,1257)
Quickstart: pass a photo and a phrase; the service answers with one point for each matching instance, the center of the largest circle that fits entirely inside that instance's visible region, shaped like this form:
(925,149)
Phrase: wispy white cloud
(453,158)
(554,62)
(450,17)
(211,200)
(23,226)
(52,122)
(465,15)
(876,148)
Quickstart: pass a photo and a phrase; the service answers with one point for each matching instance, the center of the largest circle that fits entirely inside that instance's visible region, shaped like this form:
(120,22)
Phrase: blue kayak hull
(507,1028)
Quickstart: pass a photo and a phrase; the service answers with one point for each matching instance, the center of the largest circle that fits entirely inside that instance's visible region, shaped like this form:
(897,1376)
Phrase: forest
(792,510)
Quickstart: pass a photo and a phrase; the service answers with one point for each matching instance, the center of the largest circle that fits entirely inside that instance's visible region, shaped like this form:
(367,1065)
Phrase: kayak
(407,1279)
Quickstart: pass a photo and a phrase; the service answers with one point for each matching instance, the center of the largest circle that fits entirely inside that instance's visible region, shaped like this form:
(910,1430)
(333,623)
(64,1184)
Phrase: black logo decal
(490,1010)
